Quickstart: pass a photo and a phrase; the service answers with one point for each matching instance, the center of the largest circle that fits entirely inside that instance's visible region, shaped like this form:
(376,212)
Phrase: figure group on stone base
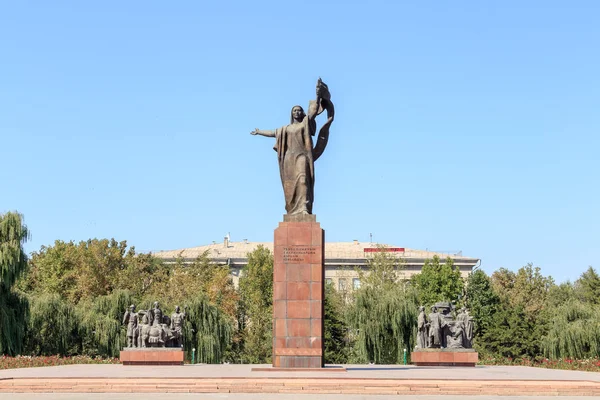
(150,328)
(440,330)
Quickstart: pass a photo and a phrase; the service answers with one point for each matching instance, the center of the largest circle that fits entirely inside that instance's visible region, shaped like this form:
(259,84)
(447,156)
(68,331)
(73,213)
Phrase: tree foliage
(209,330)
(439,282)
(382,314)
(482,302)
(336,331)
(574,331)
(527,288)
(522,318)
(101,320)
(587,287)
(181,281)
(53,326)
(78,271)
(512,334)
(14,308)
(254,342)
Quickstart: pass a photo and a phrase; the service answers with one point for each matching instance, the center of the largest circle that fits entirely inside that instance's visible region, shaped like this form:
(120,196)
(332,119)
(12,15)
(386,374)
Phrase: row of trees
(69,298)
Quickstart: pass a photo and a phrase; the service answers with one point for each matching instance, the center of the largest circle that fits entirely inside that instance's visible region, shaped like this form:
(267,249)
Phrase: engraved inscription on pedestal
(298,254)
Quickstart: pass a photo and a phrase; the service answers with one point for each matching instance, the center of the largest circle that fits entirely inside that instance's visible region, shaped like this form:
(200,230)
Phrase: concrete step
(301,386)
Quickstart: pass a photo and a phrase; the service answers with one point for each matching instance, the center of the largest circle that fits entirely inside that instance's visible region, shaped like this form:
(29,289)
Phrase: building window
(356,283)
(328,281)
(342,286)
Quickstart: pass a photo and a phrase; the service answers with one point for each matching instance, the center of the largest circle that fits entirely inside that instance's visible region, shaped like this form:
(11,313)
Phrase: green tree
(336,331)
(383,313)
(101,329)
(209,331)
(574,331)
(14,308)
(183,282)
(560,294)
(53,326)
(142,274)
(523,317)
(587,287)
(439,282)
(255,337)
(482,302)
(77,271)
(512,335)
(527,288)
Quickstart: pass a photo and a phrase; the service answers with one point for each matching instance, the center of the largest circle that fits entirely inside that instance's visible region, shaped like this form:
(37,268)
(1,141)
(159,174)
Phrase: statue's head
(421,308)
(434,308)
(156,304)
(177,309)
(297,114)
(132,307)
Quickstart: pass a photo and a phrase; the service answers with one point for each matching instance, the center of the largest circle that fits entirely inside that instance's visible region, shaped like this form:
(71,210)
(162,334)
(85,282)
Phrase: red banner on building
(384,250)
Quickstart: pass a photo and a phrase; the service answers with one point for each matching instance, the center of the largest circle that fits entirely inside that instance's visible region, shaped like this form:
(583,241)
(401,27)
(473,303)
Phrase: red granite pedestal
(298,293)
(444,357)
(152,356)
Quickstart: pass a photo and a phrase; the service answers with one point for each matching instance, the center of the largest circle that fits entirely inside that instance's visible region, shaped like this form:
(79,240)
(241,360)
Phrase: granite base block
(151,356)
(444,357)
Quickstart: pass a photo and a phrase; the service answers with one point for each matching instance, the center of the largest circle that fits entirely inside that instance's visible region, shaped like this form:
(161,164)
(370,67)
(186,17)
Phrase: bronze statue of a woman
(295,151)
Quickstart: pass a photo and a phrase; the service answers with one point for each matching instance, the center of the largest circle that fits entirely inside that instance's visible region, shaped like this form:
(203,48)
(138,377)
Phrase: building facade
(342,259)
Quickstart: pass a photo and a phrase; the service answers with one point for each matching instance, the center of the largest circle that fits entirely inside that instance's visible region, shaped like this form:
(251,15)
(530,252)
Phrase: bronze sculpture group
(150,328)
(440,330)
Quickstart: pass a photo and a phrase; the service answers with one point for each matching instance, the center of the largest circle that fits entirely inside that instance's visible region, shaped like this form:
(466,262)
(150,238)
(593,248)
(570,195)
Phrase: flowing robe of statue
(467,323)
(469,332)
(422,330)
(295,152)
(177,326)
(131,319)
(157,333)
(456,339)
(435,329)
(294,147)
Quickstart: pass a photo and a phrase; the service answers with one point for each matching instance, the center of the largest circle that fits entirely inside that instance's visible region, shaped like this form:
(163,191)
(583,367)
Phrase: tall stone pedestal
(298,293)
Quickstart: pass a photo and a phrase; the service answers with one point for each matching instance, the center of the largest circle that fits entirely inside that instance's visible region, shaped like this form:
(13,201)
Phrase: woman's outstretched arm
(263,133)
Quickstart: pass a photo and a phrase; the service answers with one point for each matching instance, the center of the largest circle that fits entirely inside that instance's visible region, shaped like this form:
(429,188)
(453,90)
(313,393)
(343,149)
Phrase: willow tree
(52,326)
(207,329)
(13,262)
(101,318)
(574,332)
(383,313)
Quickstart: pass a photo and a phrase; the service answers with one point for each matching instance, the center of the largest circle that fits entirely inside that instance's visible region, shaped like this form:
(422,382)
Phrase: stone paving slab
(254,396)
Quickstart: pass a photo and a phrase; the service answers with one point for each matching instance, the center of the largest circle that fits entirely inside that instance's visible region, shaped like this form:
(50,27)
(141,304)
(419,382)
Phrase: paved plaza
(225,381)
(256,396)
(237,371)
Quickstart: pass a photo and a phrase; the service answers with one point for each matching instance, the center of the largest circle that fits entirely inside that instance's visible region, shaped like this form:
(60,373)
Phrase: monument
(443,340)
(152,337)
(299,252)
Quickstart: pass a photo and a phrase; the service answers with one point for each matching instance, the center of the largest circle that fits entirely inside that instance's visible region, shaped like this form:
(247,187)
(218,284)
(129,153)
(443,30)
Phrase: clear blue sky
(468,126)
